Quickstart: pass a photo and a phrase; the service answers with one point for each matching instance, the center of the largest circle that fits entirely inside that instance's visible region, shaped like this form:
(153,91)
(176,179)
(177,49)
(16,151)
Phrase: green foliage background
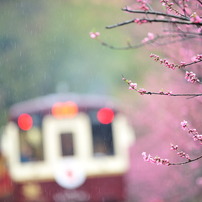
(45,44)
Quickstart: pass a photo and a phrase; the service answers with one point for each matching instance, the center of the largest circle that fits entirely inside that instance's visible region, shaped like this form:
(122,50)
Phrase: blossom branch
(147,20)
(188,161)
(195,59)
(159,161)
(191,63)
(193,132)
(200,1)
(155,13)
(142,91)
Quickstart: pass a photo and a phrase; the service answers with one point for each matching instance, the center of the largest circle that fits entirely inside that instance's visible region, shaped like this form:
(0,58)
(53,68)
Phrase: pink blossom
(183,155)
(157,160)
(199,57)
(156,57)
(150,36)
(143,4)
(168,93)
(182,64)
(174,147)
(196,58)
(140,21)
(195,18)
(197,137)
(165,62)
(142,91)
(132,86)
(184,124)
(191,77)
(94,35)
(169,6)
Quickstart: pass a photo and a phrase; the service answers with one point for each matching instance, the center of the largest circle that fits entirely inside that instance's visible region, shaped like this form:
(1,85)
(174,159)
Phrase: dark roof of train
(45,103)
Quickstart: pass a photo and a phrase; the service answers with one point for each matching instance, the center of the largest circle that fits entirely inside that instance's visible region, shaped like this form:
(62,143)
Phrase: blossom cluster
(140,21)
(169,6)
(166,62)
(150,36)
(165,93)
(159,161)
(193,132)
(94,35)
(180,153)
(197,58)
(191,77)
(195,18)
(143,5)
(142,91)
(133,86)
(156,160)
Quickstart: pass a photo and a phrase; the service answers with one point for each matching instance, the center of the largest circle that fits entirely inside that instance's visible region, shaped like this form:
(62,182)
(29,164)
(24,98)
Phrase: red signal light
(105,115)
(64,109)
(25,121)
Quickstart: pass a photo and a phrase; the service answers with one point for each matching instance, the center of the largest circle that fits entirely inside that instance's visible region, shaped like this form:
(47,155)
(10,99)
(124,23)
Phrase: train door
(68,149)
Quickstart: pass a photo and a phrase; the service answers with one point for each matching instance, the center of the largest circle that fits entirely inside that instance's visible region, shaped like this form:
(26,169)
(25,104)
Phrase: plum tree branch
(156,13)
(178,37)
(147,20)
(185,162)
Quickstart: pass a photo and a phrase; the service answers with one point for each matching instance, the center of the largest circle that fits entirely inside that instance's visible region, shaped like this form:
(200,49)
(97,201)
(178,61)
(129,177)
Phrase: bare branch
(200,1)
(181,37)
(183,163)
(147,20)
(155,13)
(175,95)
(191,63)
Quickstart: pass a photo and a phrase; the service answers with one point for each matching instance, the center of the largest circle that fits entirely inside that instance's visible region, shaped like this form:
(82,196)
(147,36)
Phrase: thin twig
(191,63)
(183,163)
(152,41)
(175,95)
(182,32)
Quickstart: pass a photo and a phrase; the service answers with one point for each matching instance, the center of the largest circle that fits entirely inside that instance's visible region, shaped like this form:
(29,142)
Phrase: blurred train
(66,148)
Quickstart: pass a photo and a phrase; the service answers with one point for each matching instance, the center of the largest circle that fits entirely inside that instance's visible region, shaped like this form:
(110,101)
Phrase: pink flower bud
(94,35)
(184,124)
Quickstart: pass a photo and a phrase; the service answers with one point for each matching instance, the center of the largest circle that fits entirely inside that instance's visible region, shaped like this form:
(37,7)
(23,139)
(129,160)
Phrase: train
(66,148)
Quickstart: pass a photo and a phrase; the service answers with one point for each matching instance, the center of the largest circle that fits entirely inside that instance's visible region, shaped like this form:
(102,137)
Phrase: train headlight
(105,115)
(64,109)
(25,122)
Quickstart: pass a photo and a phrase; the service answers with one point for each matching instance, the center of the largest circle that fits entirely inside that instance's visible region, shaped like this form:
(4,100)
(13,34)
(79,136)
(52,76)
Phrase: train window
(31,145)
(67,144)
(102,136)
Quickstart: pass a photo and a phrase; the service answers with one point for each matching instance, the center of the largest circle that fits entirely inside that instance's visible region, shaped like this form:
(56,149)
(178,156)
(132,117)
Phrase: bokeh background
(45,48)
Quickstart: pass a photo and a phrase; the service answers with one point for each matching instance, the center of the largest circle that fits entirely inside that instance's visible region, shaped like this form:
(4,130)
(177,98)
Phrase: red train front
(65,148)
